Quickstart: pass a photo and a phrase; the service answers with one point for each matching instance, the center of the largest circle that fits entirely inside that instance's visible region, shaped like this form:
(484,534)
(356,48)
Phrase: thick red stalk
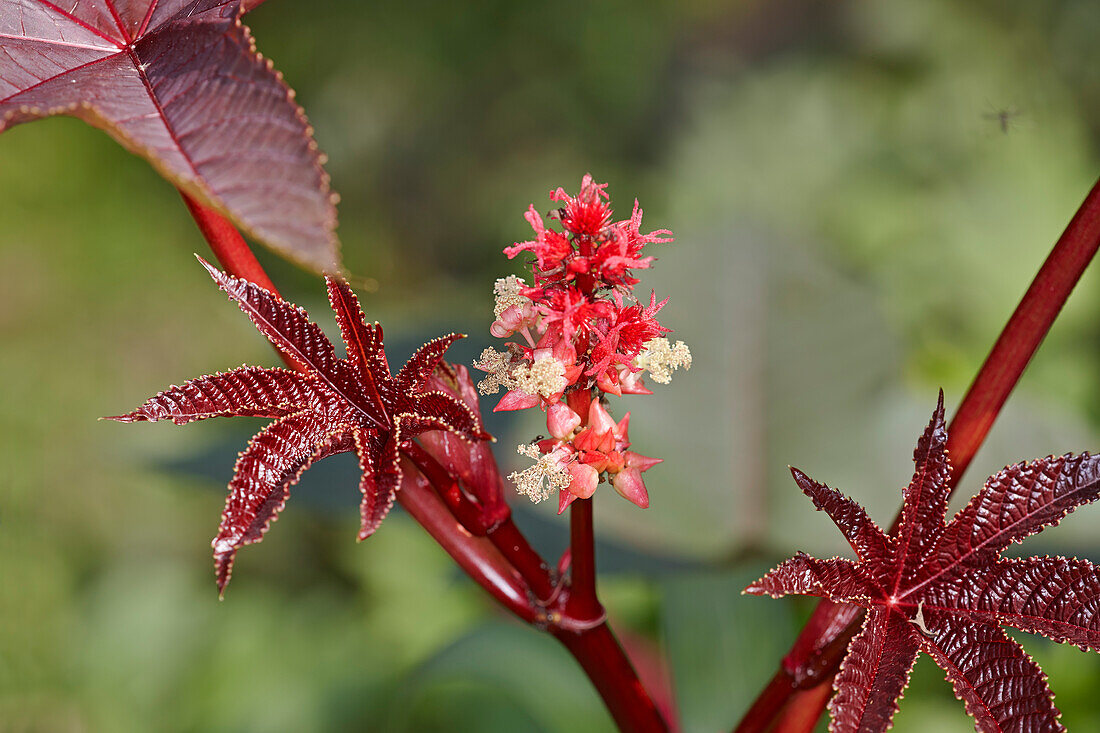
(768,703)
(467,511)
(233,253)
(606,664)
(1023,333)
(228,245)
(582,603)
(819,649)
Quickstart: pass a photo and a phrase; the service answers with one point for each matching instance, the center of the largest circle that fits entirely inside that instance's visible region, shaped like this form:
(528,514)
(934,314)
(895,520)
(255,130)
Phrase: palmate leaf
(178,82)
(942,587)
(333,406)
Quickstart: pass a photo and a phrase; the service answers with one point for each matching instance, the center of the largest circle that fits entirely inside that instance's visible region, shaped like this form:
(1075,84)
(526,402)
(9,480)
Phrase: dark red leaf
(244,392)
(1003,689)
(414,375)
(178,82)
(1020,500)
(336,405)
(875,672)
(838,579)
(379,461)
(272,463)
(363,342)
(944,588)
(865,537)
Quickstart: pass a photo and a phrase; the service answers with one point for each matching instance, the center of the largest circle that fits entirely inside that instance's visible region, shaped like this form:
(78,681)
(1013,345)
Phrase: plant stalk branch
(503,533)
(492,562)
(507,538)
(475,555)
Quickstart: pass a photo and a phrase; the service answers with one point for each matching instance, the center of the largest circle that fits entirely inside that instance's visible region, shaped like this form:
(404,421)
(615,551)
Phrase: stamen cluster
(584,335)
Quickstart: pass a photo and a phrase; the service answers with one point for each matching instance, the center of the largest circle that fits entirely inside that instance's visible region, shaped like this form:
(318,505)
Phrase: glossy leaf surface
(942,587)
(333,406)
(180,83)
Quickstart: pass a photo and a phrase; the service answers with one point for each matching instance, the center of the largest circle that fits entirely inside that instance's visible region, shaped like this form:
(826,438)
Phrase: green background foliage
(853,227)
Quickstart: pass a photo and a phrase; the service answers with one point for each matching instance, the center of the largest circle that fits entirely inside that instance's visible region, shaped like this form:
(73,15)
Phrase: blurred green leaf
(532,677)
(722,646)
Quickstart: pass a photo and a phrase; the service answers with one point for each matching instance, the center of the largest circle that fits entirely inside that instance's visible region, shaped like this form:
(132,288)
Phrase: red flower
(583,329)
(587,213)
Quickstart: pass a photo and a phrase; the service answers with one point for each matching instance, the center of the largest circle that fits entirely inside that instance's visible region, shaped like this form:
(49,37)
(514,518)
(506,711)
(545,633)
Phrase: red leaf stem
(816,654)
(768,704)
(582,603)
(475,555)
(468,513)
(503,533)
(801,712)
(228,245)
(233,253)
(1023,333)
(514,546)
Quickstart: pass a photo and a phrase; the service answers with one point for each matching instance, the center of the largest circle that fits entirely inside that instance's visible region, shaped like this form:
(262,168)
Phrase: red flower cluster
(584,334)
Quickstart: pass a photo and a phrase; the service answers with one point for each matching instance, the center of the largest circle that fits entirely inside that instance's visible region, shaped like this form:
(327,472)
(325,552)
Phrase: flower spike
(584,334)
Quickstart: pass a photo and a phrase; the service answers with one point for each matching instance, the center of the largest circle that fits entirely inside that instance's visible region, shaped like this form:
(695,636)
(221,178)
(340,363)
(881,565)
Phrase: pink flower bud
(585,479)
(516,400)
(629,484)
(622,429)
(561,421)
(640,462)
(599,419)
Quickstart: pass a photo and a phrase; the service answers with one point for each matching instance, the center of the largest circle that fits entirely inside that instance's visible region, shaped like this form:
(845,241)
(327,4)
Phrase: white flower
(541,480)
(545,377)
(498,365)
(506,290)
(661,358)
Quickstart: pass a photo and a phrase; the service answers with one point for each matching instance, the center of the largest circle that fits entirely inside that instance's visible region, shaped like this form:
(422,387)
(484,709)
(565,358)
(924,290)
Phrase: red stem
(507,538)
(801,712)
(821,646)
(228,245)
(487,561)
(606,664)
(475,555)
(582,603)
(234,255)
(768,703)
(502,533)
(466,510)
(1023,333)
